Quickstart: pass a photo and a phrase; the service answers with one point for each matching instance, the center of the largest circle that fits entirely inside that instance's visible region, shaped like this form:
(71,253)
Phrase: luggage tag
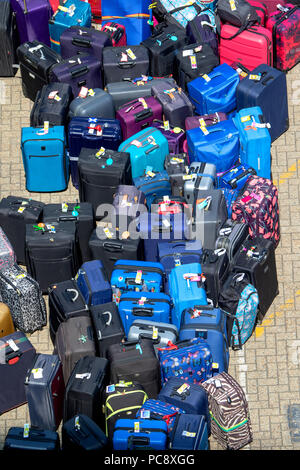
(145,414)
(142,100)
(193,61)
(154,333)
(241,72)
(86,375)
(204,203)
(100,153)
(183,388)
(136,143)
(188,434)
(131,54)
(110,388)
(107,232)
(204,130)
(232,5)
(83,92)
(255,77)
(187,53)
(170,93)
(260,125)
(37,373)
(136,426)
(124,57)
(138,277)
(206,77)
(64,207)
(26,431)
(142,301)
(76,423)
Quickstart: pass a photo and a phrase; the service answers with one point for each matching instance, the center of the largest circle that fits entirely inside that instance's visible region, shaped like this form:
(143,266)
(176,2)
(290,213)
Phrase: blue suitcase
(186,287)
(151,306)
(140,434)
(147,148)
(70,13)
(208,323)
(255,140)
(217,144)
(215,92)
(153,185)
(156,409)
(93,284)
(27,439)
(189,433)
(236,177)
(44,158)
(230,196)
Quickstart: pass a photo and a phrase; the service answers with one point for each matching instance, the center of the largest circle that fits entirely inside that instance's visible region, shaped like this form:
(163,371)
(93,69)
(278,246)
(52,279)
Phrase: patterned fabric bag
(156,409)
(180,12)
(7,255)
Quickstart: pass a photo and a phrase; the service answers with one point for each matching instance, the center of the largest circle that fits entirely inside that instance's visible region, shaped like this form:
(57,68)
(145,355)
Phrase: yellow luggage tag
(26,431)
(100,152)
(138,277)
(254,77)
(193,61)
(232,5)
(166,125)
(131,54)
(206,77)
(183,388)
(136,426)
(107,232)
(245,118)
(155,333)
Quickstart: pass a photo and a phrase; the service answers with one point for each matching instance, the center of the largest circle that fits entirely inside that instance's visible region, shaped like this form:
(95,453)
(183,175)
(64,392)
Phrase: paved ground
(268,367)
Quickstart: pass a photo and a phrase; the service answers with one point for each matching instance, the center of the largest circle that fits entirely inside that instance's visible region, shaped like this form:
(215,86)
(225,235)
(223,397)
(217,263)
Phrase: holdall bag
(9,41)
(160,333)
(70,13)
(135,115)
(202,30)
(189,433)
(121,400)
(156,409)
(146,434)
(77,40)
(236,177)
(94,102)
(238,13)
(26,439)
(228,408)
(180,12)
(175,103)
(116,32)
(22,295)
(93,283)
(18,357)
(7,255)
(45,388)
(138,306)
(174,135)
(6,321)
(258,207)
(52,105)
(108,327)
(153,185)
(32,20)
(201,177)
(206,120)
(124,62)
(80,433)
(215,92)
(215,266)
(231,237)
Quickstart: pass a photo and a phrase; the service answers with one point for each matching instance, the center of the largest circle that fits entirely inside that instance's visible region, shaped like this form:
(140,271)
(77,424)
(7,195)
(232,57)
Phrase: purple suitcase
(78,71)
(77,40)
(200,29)
(138,114)
(206,120)
(174,135)
(32,18)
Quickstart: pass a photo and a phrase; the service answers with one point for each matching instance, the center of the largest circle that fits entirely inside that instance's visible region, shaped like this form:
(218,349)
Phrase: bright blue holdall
(44,158)
(153,185)
(236,177)
(140,434)
(255,140)
(189,433)
(93,283)
(151,306)
(156,409)
(147,148)
(215,92)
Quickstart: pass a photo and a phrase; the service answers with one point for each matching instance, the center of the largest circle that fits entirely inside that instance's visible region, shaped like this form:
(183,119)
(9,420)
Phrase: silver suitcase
(97,104)
(201,178)
(161,333)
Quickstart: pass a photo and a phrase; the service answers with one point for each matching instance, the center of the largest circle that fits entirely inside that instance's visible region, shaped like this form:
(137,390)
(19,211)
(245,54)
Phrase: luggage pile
(164,118)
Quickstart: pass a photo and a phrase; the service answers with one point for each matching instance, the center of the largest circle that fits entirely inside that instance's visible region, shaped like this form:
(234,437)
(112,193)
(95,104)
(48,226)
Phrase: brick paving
(268,367)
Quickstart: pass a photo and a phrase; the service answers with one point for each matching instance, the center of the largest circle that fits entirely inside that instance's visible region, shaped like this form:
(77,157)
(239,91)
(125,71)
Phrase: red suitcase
(284,24)
(261,10)
(272,5)
(96,10)
(251,48)
(117,32)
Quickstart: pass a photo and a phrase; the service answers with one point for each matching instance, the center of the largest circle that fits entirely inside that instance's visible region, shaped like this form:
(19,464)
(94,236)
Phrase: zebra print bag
(229,412)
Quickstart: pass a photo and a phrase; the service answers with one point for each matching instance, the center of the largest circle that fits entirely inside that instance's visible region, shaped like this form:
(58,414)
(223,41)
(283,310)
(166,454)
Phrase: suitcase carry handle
(145,336)
(126,65)
(76,294)
(81,42)
(12,355)
(143,114)
(109,317)
(153,147)
(112,246)
(79,72)
(142,312)
(64,218)
(134,441)
(266,80)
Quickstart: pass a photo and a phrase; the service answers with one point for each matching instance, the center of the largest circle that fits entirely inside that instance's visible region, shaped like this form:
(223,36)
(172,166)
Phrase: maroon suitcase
(206,120)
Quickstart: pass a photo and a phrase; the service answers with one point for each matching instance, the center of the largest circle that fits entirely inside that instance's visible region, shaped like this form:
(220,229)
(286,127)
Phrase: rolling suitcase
(26,439)
(32,20)
(96,103)
(7,255)
(201,177)
(6,321)
(231,237)
(156,409)
(189,433)
(153,185)
(236,177)
(160,333)
(52,105)
(138,434)
(93,283)
(175,103)
(215,266)
(177,163)
(116,32)
(206,120)
(135,115)
(80,433)
(230,196)
(201,29)
(261,10)
(124,62)
(9,40)
(271,5)
(45,388)
(177,181)
(77,40)
(108,327)
(174,135)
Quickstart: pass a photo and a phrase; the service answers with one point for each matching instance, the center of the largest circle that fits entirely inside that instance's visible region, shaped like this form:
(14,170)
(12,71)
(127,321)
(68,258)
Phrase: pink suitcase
(261,10)
(272,5)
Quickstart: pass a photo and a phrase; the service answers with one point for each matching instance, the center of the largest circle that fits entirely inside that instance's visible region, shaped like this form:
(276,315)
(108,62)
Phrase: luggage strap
(232,428)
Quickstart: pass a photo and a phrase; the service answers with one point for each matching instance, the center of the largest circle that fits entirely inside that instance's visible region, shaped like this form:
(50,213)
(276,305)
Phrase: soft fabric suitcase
(156,409)
(7,255)
(160,333)
(44,159)
(52,105)
(137,306)
(179,12)
(124,62)
(85,387)
(45,388)
(231,237)
(215,92)
(18,356)
(201,177)
(108,327)
(236,177)
(269,92)
(70,13)
(80,433)
(26,439)
(23,296)
(135,115)
(95,103)
(135,434)
(201,29)
(174,134)
(6,321)
(9,40)
(189,433)
(177,181)
(175,103)
(153,185)
(147,148)
(36,60)
(32,20)
(116,32)
(79,40)
(215,265)
(93,283)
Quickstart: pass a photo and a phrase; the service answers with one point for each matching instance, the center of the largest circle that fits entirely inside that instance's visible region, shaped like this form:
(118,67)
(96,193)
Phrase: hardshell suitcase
(175,103)
(151,434)
(153,185)
(271,5)
(6,321)
(116,32)
(206,120)
(45,388)
(32,20)
(201,29)
(189,433)
(135,115)
(94,103)
(174,134)
(93,283)
(156,409)
(201,176)
(7,255)
(80,433)
(26,439)
(9,40)
(80,40)
(124,62)
(160,333)
(108,327)
(177,163)
(52,105)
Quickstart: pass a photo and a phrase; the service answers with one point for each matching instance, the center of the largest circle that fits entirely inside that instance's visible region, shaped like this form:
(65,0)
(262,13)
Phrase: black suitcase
(15,213)
(80,433)
(9,40)
(256,258)
(124,63)
(85,387)
(51,104)
(52,253)
(36,60)
(65,301)
(108,326)
(176,163)
(231,237)
(215,267)
(25,439)
(135,361)
(83,216)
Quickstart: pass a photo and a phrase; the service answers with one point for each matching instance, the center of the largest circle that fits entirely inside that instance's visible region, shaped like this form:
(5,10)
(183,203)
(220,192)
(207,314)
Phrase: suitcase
(45,388)
(156,409)
(176,163)
(108,327)
(231,237)
(174,206)
(7,255)
(136,360)
(32,20)
(6,321)
(257,206)
(44,159)
(175,103)
(80,433)
(121,400)
(77,40)
(230,197)
(153,306)
(261,10)
(147,148)
(201,177)
(160,333)
(270,94)
(36,60)
(208,93)
(135,115)
(236,177)
(179,12)
(189,433)
(230,419)
(96,103)
(206,120)
(153,185)
(74,340)
(201,29)
(128,201)
(18,355)
(215,265)
(52,105)
(116,32)
(22,295)
(174,135)
(271,5)
(85,387)
(241,69)
(140,434)
(70,13)
(177,181)
(9,39)
(81,214)
(26,439)
(93,283)
(124,62)
(65,301)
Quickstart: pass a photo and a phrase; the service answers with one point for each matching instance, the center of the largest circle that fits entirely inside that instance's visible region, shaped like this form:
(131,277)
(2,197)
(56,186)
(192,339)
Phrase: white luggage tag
(188,434)
(37,373)
(83,92)
(86,375)
(13,345)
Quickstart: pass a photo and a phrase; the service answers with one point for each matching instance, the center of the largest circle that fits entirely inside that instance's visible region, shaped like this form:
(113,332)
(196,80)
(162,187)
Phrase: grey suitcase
(201,178)
(160,333)
(97,104)
(177,181)
(231,237)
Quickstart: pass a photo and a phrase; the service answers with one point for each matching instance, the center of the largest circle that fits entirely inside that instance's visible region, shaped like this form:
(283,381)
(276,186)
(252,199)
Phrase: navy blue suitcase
(153,185)
(93,284)
(189,433)
(26,439)
(79,40)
